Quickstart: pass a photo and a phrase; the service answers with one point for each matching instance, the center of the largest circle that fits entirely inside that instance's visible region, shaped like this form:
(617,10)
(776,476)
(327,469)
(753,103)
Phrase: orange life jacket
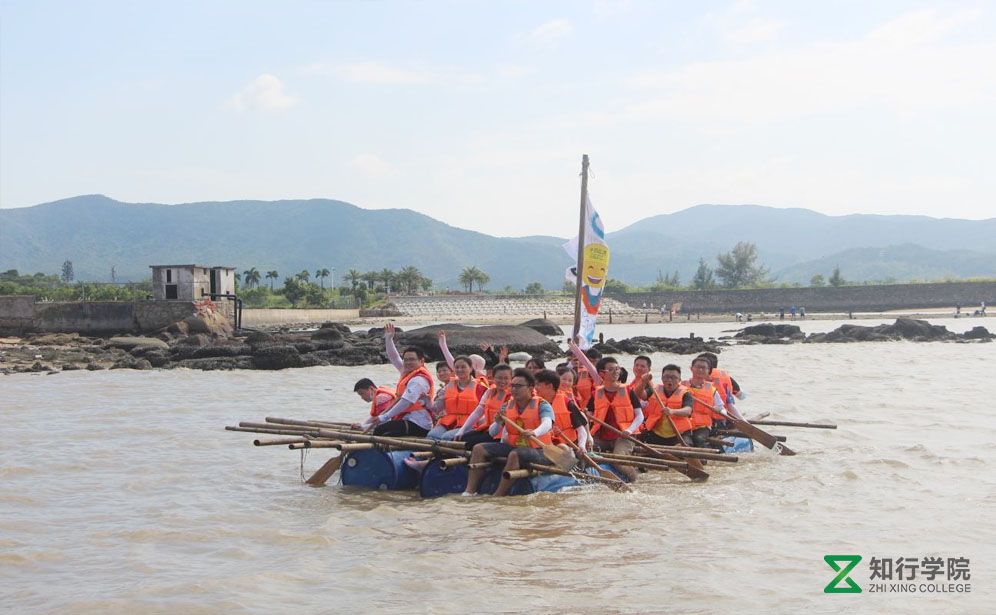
(702,411)
(622,411)
(373,402)
(585,388)
(529,418)
(724,383)
(655,413)
(400,389)
(491,407)
(459,404)
(562,419)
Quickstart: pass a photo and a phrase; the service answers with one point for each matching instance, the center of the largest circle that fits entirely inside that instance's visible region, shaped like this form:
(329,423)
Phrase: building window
(169,276)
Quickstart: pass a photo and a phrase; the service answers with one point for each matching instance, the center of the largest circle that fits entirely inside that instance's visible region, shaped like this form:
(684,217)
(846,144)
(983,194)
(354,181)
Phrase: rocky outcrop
(903,329)
(544,326)
(646,345)
(462,339)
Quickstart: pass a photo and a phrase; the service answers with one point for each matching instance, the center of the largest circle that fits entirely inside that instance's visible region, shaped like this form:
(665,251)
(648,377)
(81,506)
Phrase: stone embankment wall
(22,314)
(442,307)
(881,298)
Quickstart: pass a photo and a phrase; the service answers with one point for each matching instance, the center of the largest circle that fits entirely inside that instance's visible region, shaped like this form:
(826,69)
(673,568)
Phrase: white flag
(595,273)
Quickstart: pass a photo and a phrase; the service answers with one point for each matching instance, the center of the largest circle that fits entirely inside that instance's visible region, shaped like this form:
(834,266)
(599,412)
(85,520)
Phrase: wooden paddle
(754,433)
(322,475)
(560,458)
(695,463)
(792,424)
(695,474)
(622,486)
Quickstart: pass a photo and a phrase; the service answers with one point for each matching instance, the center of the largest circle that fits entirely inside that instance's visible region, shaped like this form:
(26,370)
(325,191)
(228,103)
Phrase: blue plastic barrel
(377,469)
(740,445)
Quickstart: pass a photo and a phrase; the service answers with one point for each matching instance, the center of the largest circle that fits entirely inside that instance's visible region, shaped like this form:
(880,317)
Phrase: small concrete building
(191,282)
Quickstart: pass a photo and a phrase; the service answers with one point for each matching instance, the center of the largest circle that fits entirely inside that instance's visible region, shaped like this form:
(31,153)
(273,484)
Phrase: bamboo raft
(375,462)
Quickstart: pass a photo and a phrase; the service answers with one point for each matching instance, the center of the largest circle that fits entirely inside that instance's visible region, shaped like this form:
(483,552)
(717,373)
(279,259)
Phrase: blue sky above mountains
(477,113)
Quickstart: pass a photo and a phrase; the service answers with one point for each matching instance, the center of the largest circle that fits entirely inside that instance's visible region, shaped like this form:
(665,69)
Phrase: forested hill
(98,233)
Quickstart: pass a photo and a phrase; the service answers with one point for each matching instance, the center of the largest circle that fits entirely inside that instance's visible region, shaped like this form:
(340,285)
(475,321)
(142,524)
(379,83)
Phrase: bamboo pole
(580,259)
(658,464)
(517,474)
(792,424)
(697,453)
(277,441)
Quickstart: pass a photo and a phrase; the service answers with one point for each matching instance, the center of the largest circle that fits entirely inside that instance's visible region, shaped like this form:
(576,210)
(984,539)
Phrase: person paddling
(570,423)
(707,401)
(535,418)
(678,404)
(408,415)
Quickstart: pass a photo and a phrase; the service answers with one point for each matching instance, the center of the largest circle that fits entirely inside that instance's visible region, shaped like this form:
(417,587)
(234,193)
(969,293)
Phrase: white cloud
(371,166)
(906,65)
(551,32)
(508,71)
(264,93)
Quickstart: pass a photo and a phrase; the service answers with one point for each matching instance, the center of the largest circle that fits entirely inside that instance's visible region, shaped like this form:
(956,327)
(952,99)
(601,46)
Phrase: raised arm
(445,349)
(391,349)
(585,362)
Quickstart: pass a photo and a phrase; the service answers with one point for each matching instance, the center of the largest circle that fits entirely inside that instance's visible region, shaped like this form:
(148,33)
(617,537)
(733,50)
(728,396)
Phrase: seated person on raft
(379,398)
(658,429)
(533,415)
(408,416)
(618,407)
(707,401)
(461,396)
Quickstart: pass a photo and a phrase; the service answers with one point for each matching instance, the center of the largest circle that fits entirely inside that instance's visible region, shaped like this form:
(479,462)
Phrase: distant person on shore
(802,312)
(792,312)
(982,310)
(409,415)
(781,314)
(379,398)
(957,310)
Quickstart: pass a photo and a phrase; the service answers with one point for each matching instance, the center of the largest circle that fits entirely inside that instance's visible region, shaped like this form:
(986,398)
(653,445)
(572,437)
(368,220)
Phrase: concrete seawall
(879,298)
(23,314)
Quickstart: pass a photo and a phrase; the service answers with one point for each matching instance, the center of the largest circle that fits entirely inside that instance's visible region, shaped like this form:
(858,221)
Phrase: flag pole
(580,262)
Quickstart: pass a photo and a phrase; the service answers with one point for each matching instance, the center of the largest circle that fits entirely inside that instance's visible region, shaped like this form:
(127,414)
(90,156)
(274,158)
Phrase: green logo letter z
(835,561)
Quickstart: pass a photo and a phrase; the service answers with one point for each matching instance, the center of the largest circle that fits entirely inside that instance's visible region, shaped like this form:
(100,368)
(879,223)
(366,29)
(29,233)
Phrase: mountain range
(97,233)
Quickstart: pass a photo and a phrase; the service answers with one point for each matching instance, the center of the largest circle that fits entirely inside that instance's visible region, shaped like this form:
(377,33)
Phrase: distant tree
(468,277)
(481,279)
(321,274)
(354,278)
(613,285)
(371,278)
(299,291)
(836,279)
(426,284)
(251,277)
(569,287)
(739,267)
(702,280)
(534,288)
(817,281)
(387,277)
(67,272)
(304,276)
(271,276)
(409,279)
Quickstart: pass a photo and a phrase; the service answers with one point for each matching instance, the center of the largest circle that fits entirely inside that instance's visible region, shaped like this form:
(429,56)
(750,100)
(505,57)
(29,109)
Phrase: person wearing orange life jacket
(614,405)
(568,377)
(569,422)
(706,399)
(586,382)
(477,362)
(641,367)
(461,397)
(475,429)
(379,398)
(678,404)
(728,389)
(408,416)
(533,414)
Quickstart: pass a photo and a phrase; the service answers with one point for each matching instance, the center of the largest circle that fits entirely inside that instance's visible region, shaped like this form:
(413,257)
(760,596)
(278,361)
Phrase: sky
(477,113)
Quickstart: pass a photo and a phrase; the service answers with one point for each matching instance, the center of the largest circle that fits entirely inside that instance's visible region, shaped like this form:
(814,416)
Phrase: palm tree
(354,277)
(409,279)
(388,278)
(304,276)
(272,275)
(370,278)
(468,276)
(321,274)
(482,279)
(251,277)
